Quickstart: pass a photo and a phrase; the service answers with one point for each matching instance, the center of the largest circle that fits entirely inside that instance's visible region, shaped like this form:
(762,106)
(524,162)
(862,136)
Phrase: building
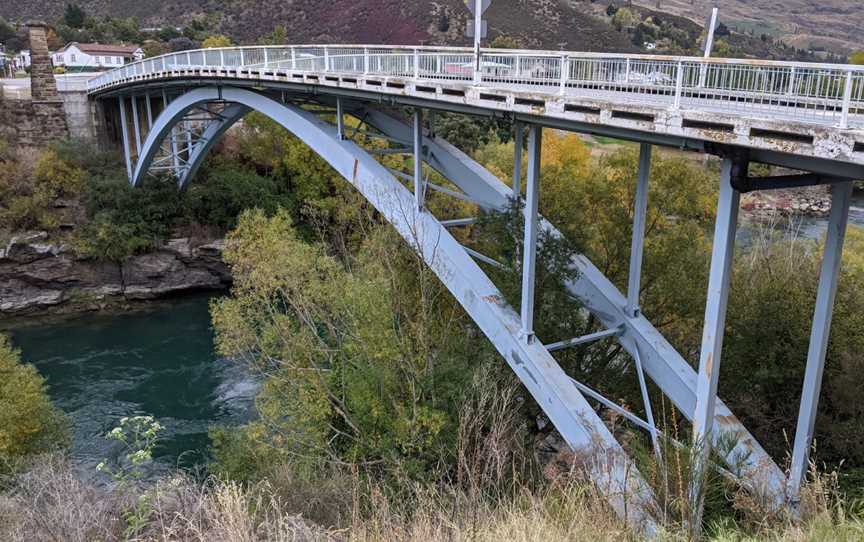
(95,56)
(21,61)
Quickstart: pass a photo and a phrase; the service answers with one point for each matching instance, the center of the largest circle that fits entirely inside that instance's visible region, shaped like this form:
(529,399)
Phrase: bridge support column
(418,158)
(149,112)
(840,198)
(175,157)
(136,124)
(712,337)
(518,139)
(529,257)
(124,128)
(637,247)
(340,120)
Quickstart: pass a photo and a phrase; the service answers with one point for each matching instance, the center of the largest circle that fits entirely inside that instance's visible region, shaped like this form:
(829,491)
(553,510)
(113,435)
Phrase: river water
(158,362)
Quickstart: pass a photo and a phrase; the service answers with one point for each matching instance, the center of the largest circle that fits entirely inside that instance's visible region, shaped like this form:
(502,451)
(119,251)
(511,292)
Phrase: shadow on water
(159,362)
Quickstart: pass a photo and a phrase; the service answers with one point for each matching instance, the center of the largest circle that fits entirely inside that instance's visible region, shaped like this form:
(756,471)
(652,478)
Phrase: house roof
(104,48)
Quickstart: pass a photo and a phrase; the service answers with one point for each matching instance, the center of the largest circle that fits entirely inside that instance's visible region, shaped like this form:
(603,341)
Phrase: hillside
(836,25)
(537,23)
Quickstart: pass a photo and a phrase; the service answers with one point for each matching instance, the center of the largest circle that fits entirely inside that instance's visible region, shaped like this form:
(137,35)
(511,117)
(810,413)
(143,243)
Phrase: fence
(818,93)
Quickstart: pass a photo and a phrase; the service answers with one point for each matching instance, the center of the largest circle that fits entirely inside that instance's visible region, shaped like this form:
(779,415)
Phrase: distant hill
(836,25)
(550,24)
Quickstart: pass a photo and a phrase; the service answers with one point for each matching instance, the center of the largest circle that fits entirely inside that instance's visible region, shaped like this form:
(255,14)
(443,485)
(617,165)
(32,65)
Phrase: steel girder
(605,460)
(662,363)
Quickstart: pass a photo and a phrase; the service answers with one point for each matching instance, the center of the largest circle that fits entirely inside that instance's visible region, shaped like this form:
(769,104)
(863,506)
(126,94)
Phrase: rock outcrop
(38,276)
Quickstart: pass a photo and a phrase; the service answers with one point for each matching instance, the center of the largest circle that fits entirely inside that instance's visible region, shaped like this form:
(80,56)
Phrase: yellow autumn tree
(217,40)
(29,423)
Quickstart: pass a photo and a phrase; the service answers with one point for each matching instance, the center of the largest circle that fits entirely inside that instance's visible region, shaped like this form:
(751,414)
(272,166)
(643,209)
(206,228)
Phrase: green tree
(624,19)
(365,366)
(29,424)
(74,16)
(279,36)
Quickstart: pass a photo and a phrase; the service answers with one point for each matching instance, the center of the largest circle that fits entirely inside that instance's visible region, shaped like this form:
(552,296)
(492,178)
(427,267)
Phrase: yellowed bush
(29,424)
(57,177)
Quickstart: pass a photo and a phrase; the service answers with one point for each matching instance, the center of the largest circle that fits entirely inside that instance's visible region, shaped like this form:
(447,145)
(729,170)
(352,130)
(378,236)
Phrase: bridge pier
(828,278)
(518,141)
(637,247)
(712,336)
(529,257)
(418,158)
(124,134)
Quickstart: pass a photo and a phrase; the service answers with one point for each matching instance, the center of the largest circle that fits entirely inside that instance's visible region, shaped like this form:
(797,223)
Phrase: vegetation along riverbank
(383,412)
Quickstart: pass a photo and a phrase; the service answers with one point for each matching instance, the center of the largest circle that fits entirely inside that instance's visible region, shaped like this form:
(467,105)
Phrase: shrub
(127,220)
(225,191)
(29,424)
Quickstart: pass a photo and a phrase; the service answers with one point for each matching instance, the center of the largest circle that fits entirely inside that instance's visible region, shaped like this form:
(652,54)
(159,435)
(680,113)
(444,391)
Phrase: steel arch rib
(211,135)
(578,423)
(666,367)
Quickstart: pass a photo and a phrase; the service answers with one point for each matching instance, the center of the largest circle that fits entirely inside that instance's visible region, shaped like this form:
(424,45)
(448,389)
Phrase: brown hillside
(834,24)
(537,23)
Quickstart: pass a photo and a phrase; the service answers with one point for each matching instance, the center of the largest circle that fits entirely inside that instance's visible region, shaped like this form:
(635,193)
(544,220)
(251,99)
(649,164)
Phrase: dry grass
(51,504)
(496,493)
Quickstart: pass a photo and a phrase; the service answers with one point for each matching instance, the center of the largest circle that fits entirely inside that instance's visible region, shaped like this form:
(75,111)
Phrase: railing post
(627,73)
(791,89)
(565,73)
(365,60)
(416,64)
(242,58)
(529,247)
(326,59)
(266,61)
(679,85)
(188,58)
(478,69)
(847,101)
(221,58)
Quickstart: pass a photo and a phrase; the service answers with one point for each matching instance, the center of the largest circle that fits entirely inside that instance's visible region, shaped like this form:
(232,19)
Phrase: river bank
(39,276)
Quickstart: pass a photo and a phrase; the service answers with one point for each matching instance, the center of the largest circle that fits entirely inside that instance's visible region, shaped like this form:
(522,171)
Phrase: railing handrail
(531,53)
(836,87)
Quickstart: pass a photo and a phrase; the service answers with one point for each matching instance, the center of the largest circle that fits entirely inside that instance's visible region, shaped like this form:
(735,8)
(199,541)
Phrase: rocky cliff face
(38,276)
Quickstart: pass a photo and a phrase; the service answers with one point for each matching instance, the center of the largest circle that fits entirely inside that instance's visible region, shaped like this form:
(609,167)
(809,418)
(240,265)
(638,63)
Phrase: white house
(95,56)
(21,61)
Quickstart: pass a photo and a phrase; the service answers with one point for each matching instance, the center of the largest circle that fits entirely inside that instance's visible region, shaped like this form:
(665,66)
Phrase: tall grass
(496,489)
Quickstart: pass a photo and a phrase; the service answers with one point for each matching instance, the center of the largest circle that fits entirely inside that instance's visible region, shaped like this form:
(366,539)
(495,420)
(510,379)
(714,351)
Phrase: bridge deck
(795,112)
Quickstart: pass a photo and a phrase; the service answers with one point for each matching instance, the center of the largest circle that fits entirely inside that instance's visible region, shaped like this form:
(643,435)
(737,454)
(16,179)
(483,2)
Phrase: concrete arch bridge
(168,112)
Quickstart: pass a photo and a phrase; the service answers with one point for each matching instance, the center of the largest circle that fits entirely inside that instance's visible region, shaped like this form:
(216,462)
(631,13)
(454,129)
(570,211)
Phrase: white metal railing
(819,93)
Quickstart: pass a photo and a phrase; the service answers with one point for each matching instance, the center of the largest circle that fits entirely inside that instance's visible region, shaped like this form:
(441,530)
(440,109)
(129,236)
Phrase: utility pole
(477,28)
(709,45)
(712,26)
